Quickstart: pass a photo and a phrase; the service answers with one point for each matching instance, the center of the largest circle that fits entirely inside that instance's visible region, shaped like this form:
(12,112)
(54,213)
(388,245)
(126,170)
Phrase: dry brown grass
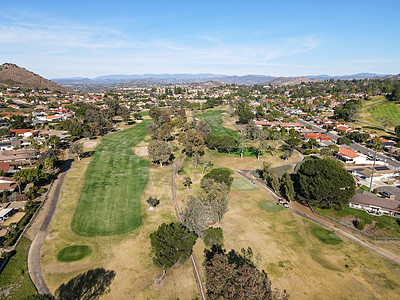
(127,254)
(294,259)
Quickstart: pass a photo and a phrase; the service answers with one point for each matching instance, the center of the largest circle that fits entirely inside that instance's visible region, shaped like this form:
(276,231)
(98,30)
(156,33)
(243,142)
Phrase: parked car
(285,204)
(386,194)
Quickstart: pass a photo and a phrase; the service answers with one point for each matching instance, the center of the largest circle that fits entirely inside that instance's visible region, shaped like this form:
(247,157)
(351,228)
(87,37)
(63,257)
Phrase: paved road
(34,266)
(341,232)
(354,146)
(178,213)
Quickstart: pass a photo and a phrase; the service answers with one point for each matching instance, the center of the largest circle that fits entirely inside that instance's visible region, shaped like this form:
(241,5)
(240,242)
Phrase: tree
(86,286)
(266,170)
(203,127)
(171,243)
(34,175)
(324,183)
(386,121)
(159,151)
(207,164)
(244,113)
(396,93)
(214,195)
(196,216)
(287,188)
(213,237)
(152,201)
(397,130)
(77,149)
(273,181)
(348,111)
(152,129)
(221,175)
(234,276)
(124,113)
(187,182)
(343,141)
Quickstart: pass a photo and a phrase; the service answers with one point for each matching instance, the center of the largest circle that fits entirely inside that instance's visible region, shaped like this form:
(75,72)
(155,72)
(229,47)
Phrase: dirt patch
(141,151)
(90,145)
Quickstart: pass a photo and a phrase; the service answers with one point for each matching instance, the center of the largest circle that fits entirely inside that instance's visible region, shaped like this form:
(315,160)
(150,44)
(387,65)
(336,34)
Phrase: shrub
(360,224)
(152,201)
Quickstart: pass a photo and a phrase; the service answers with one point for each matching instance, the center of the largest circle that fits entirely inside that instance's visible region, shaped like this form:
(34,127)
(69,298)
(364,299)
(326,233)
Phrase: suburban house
(5,213)
(350,156)
(7,184)
(322,139)
(264,124)
(295,126)
(10,145)
(381,172)
(6,168)
(372,204)
(23,155)
(24,132)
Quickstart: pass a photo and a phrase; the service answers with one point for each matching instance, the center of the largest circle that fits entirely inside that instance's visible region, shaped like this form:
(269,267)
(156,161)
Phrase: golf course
(114,182)
(214,119)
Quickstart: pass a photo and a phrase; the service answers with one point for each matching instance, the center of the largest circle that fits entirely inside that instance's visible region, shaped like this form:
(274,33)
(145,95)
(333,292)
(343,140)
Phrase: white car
(285,204)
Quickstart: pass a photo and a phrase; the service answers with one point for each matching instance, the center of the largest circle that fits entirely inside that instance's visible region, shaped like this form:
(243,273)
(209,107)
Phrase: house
(17,155)
(7,184)
(350,156)
(6,168)
(372,204)
(264,123)
(24,132)
(295,126)
(5,213)
(10,145)
(381,172)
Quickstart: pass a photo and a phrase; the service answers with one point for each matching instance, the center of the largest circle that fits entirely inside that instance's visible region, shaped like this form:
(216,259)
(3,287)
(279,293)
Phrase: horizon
(262,38)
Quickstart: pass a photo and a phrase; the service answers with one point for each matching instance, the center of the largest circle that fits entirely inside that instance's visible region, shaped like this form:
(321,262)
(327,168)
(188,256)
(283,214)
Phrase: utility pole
(372,175)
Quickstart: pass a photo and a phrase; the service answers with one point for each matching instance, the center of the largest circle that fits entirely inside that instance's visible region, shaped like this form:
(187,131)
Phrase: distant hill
(12,75)
(393,77)
(292,81)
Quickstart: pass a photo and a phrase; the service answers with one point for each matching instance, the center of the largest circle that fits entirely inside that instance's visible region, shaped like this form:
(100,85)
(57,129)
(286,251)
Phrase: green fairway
(114,182)
(242,184)
(325,236)
(271,206)
(214,119)
(388,109)
(73,253)
(15,276)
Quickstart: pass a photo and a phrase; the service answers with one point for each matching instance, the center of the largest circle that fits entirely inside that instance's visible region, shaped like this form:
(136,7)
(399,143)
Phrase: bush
(221,175)
(152,201)
(42,190)
(360,224)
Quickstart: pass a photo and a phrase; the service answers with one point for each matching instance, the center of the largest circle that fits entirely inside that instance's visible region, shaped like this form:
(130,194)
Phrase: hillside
(12,75)
(292,81)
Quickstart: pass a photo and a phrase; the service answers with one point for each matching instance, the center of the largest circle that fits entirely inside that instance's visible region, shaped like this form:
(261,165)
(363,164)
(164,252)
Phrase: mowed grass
(242,184)
(73,253)
(326,236)
(271,206)
(114,182)
(15,276)
(214,119)
(373,110)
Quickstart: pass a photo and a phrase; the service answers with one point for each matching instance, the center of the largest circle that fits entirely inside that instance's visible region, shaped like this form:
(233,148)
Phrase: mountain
(12,75)
(348,77)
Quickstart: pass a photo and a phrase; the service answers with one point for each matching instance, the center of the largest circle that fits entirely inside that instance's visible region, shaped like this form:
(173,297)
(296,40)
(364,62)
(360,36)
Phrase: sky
(60,39)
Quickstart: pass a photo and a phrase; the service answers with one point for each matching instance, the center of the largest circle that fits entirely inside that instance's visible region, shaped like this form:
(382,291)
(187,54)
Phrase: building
(372,204)
(350,156)
(5,213)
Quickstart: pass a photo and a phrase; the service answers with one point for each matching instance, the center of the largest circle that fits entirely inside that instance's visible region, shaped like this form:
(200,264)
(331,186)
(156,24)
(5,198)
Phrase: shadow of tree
(89,285)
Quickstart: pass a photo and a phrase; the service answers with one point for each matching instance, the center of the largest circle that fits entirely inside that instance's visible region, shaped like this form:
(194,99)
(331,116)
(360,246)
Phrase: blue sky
(278,38)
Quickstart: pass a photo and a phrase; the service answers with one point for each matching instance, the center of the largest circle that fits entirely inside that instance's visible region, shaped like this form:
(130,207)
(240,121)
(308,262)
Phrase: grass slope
(214,119)
(325,236)
(15,276)
(114,182)
(242,184)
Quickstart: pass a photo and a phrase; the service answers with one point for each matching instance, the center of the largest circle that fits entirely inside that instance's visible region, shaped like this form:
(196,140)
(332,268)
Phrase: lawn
(214,119)
(326,236)
(271,206)
(242,184)
(73,253)
(114,182)
(15,277)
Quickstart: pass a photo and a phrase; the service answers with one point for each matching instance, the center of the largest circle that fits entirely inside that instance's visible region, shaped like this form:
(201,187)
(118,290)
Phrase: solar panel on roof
(383,168)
